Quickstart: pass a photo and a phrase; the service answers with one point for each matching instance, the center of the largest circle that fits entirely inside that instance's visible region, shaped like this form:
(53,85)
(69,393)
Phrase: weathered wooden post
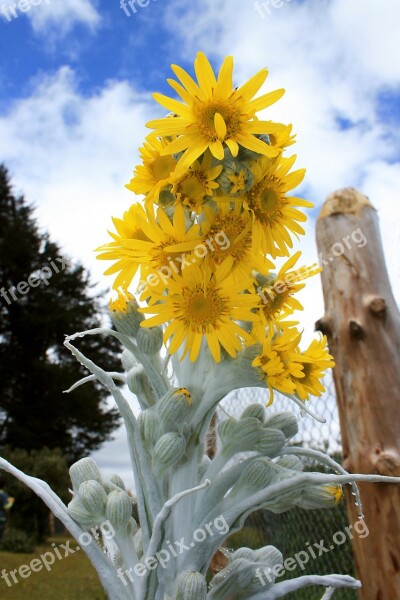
(362,323)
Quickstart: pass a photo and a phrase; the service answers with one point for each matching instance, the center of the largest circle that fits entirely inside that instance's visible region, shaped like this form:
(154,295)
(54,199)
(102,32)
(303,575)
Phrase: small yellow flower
(336,491)
(315,361)
(196,185)
(213,114)
(155,172)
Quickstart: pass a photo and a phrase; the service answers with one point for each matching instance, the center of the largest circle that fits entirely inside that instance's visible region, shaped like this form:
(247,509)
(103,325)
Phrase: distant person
(6,503)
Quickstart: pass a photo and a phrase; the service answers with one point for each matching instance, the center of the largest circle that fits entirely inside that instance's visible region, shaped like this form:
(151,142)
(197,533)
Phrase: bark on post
(362,323)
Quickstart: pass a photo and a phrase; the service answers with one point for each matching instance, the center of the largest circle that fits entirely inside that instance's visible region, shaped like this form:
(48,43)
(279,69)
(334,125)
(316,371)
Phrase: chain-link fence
(302,531)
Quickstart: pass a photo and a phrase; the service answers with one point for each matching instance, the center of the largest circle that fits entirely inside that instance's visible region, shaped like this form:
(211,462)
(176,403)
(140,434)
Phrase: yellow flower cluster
(217,211)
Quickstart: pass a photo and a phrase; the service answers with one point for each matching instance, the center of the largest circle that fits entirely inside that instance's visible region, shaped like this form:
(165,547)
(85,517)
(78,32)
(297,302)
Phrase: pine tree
(42,298)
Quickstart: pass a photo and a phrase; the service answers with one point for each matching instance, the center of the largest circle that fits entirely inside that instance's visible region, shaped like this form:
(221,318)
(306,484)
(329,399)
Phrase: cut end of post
(345,201)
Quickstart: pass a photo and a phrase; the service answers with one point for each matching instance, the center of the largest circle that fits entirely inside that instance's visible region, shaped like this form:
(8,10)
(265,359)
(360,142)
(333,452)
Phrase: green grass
(72,578)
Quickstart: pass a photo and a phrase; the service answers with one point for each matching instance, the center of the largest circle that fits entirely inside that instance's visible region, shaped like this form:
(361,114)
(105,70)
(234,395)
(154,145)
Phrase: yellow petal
(220,126)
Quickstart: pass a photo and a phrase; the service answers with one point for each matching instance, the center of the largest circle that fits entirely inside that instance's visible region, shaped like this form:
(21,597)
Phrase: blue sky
(76,78)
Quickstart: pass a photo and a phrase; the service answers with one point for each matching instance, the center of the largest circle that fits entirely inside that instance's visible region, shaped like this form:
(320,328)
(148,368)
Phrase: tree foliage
(35,367)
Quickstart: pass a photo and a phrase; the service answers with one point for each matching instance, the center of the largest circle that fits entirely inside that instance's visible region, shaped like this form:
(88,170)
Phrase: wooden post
(362,323)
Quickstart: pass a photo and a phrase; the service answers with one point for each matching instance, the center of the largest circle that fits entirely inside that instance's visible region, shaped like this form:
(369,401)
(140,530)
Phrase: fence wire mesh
(298,530)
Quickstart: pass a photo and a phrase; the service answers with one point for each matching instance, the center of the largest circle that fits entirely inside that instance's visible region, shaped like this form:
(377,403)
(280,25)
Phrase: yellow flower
(227,232)
(196,185)
(315,360)
(278,361)
(144,239)
(202,304)
(214,114)
(274,213)
(282,139)
(277,293)
(155,172)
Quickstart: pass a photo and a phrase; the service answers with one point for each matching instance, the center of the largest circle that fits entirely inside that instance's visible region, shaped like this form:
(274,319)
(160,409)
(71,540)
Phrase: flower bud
(132,527)
(169,450)
(149,426)
(78,512)
(124,314)
(290,462)
(93,496)
(128,360)
(191,585)
(137,381)
(270,441)
(254,410)
(247,433)
(84,470)
(117,480)
(246,553)
(138,543)
(258,474)
(284,421)
(119,509)
(174,408)
(226,429)
(269,555)
(150,340)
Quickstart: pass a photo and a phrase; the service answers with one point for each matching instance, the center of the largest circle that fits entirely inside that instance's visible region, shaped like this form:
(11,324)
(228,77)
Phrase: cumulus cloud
(71,155)
(55,17)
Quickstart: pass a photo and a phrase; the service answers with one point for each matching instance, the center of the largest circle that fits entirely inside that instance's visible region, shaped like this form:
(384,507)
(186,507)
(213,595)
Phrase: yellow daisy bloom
(227,232)
(155,172)
(214,114)
(278,361)
(202,304)
(277,292)
(143,239)
(196,185)
(274,213)
(315,360)
(282,139)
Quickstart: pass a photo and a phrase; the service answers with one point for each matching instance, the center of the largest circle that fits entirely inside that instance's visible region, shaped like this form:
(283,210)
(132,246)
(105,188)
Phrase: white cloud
(71,155)
(56,17)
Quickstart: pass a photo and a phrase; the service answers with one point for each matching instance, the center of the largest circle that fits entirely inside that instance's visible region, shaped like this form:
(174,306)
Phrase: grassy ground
(72,578)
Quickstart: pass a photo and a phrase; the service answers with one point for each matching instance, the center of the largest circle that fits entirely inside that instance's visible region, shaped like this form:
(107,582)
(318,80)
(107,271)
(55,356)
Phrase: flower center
(203,308)
(162,166)
(205,113)
(237,237)
(266,200)
(192,188)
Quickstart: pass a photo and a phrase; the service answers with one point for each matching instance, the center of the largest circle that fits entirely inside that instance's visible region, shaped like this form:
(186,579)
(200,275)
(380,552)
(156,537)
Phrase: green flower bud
(191,585)
(78,512)
(269,555)
(119,509)
(166,197)
(124,314)
(84,470)
(284,421)
(117,480)
(242,569)
(270,441)
(128,360)
(138,543)
(93,496)
(174,408)
(137,380)
(290,462)
(168,451)
(149,425)
(226,429)
(254,410)
(132,527)
(246,434)
(246,553)
(257,474)
(150,339)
